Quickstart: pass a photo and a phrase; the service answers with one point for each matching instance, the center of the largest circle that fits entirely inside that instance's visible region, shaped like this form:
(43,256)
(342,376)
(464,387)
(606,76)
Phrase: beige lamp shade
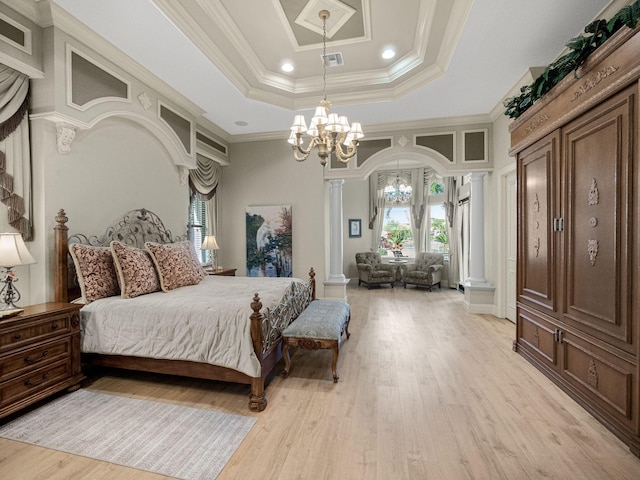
(209,243)
(13,251)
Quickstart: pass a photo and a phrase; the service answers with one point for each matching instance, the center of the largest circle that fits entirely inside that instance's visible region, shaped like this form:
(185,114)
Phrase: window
(396,236)
(396,232)
(438,240)
(199,227)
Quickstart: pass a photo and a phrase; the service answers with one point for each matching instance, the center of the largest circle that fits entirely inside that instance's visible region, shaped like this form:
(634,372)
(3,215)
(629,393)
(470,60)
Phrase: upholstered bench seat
(319,326)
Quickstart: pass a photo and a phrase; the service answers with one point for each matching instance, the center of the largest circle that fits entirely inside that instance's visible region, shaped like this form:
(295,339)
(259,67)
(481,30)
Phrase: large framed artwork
(269,241)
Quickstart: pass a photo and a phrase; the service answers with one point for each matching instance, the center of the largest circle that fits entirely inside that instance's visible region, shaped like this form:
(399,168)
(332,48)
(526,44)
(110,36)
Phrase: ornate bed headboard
(134,228)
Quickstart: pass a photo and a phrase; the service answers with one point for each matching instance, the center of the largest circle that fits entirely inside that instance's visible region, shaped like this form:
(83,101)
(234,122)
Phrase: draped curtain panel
(421,180)
(453,233)
(204,180)
(15,152)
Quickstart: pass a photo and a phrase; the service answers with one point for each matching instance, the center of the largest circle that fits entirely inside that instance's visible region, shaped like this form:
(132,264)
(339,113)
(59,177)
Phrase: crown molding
(380,128)
(69,25)
(37,11)
(179,16)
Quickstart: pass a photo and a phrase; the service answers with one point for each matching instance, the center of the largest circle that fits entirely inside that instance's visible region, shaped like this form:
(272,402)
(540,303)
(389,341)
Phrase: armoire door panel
(605,378)
(536,201)
(537,336)
(598,157)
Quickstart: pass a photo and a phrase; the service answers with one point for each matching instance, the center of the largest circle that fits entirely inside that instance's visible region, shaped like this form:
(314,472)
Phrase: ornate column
(336,284)
(478,293)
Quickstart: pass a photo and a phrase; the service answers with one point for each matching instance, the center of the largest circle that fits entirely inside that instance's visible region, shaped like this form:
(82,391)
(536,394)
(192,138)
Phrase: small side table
(396,264)
(224,272)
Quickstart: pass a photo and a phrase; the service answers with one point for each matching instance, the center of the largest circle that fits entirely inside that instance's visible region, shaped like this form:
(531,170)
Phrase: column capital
(477,175)
(336,181)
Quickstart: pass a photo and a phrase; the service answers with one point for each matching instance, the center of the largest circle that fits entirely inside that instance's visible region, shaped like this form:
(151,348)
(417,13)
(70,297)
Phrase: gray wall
(265,173)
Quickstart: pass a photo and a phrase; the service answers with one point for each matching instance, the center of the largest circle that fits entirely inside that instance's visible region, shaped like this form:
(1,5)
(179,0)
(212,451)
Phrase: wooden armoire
(578,306)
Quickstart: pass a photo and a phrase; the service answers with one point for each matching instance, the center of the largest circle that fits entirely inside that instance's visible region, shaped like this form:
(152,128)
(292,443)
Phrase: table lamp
(210,243)
(13,252)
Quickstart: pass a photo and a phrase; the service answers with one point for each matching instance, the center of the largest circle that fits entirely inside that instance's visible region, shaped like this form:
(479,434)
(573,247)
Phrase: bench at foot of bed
(319,326)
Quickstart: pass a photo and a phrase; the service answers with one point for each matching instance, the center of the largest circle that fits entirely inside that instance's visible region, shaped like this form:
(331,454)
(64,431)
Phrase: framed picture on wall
(355,227)
(269,241)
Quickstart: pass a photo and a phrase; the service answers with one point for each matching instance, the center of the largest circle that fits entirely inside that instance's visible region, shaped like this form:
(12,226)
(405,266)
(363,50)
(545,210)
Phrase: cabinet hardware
(29,383)
(558,224)
(30,361)
(558,335)
(17,337)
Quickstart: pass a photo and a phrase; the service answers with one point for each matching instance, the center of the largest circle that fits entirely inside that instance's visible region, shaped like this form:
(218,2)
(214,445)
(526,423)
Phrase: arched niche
(165,136)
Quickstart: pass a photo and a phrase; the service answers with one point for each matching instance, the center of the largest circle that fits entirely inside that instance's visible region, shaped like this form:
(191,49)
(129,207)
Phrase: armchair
(371,270)
(425,272)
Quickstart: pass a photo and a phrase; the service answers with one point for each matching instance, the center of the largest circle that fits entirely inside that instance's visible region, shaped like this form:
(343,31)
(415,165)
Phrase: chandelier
(328,131)
(398,194)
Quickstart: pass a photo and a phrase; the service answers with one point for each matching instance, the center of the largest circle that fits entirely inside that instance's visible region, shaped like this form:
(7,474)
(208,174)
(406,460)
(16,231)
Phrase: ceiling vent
(334,59)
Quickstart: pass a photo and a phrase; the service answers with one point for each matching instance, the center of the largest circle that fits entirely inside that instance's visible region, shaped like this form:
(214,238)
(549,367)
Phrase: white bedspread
(208,322)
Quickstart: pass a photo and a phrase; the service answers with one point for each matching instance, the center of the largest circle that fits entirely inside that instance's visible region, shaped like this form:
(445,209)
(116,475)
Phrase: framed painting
(355,227)
(269,241)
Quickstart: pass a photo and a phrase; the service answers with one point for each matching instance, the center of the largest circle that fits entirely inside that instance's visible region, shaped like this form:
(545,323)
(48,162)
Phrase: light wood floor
(427,391)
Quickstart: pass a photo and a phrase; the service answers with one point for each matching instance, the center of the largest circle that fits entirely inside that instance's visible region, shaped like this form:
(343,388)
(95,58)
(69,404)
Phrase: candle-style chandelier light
(328,131)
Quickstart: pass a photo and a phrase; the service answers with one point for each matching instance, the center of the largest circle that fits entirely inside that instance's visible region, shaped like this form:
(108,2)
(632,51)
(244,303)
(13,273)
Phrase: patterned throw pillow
(95,270)
(176,263)
(136,273)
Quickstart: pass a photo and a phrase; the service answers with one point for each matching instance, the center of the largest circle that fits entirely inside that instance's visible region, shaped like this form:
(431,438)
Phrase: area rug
(181,442)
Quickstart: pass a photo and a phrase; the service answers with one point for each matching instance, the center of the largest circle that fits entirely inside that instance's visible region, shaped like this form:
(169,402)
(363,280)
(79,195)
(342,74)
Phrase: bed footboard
(266,332)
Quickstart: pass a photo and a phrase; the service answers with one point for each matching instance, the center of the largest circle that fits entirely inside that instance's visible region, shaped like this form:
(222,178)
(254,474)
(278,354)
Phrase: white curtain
(420,180)
(452,214)
(15,153)
(377,183)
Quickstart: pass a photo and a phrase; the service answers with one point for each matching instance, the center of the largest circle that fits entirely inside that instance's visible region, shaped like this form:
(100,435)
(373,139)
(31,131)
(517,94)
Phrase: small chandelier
(399,194)
(327,130)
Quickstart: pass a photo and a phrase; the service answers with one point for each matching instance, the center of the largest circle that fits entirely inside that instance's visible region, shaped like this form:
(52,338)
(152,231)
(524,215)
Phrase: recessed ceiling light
(287,67)
(242,123)
(388,53)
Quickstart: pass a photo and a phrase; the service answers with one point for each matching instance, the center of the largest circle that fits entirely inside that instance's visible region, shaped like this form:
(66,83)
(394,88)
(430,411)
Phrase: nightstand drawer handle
(29,383)
(54,326)
(30,361)
(17,337)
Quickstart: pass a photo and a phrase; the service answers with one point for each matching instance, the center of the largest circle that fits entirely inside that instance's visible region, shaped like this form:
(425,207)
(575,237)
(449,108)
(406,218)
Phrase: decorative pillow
(176,263)
(95,270)
(136,273)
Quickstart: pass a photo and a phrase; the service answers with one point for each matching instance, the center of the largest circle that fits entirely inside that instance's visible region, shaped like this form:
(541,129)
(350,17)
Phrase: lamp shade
(209,243)
(13,251)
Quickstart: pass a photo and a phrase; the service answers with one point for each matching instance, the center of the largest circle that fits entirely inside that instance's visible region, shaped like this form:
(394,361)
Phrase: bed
(218,328)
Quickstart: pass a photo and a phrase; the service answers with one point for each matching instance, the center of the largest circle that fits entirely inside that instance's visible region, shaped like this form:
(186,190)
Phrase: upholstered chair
(371,271)
(425,272)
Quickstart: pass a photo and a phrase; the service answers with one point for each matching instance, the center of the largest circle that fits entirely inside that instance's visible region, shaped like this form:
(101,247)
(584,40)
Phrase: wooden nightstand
(225,272)
(39,354)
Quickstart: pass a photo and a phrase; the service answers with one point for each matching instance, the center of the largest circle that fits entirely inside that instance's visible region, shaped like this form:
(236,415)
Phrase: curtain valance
(205,178)
(15,155)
